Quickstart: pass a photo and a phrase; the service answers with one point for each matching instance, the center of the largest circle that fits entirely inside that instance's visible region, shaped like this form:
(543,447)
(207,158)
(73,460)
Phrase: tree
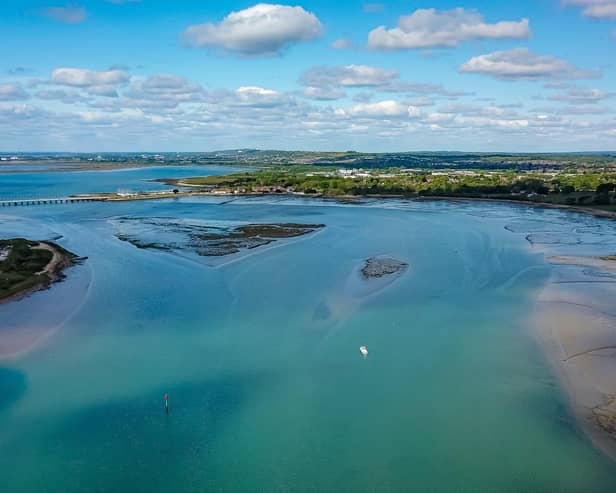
(602,196)
(568,189)
(605,188)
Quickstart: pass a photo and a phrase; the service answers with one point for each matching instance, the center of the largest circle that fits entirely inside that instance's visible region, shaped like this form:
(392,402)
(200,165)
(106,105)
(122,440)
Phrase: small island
(377,267)
(249,236)
(27,266)
(206,241)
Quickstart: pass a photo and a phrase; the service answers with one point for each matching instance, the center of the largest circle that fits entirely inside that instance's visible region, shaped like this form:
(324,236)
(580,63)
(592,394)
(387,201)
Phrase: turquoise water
(260,355)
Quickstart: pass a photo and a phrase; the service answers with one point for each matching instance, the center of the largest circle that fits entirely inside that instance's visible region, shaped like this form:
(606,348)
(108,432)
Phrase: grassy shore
(588,192)
(27,266)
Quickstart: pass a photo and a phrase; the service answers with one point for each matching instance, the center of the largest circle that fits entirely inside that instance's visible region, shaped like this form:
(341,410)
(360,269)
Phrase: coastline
(17,339)
(53,272)
(170,194)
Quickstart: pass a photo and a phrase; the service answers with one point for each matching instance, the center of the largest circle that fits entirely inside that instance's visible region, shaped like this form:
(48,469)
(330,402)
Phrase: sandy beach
(576,321)
(16,341)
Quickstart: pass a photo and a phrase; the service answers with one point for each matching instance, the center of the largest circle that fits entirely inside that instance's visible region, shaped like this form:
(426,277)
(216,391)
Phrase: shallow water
(260,355)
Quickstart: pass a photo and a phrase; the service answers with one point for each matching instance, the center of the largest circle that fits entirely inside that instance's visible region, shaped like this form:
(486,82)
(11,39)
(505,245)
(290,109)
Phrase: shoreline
(579,342)
(169,194)
(53,272)
(17,340)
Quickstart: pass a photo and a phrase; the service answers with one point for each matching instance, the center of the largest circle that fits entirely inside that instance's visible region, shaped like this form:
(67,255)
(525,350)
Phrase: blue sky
(188,75)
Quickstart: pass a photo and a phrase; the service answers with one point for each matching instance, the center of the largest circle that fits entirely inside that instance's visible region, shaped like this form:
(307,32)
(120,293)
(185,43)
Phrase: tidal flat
(205,240)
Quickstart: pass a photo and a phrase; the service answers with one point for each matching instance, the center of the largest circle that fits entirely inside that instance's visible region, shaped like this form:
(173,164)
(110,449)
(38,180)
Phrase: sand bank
(576,319)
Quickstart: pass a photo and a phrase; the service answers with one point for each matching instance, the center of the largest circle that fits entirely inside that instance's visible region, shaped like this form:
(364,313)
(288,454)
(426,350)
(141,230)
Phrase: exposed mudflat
(205,240)
(376,267)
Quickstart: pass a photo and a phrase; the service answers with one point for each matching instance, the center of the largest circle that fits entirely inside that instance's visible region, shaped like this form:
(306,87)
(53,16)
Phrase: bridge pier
(59,200)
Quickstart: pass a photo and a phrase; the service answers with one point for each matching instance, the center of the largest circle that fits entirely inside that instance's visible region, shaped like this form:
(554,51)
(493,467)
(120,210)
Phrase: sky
(404,75)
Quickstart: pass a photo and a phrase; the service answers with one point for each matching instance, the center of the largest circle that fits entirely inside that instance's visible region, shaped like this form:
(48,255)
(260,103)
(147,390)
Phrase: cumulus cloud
(522,64)
(62,95)
(597,9)
(104,83)
(342,44)
(264,29)
(168,111)
(324,93)
(431,28)
(68,15)
(348,76)
(258,97)
(581,96)
(159,84)
(12,92)
(79,77)
(331,79)
(402,86)
(161,91)
(389,108)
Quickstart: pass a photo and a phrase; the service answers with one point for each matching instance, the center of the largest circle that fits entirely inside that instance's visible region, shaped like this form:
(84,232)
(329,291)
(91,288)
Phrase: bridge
(55,200)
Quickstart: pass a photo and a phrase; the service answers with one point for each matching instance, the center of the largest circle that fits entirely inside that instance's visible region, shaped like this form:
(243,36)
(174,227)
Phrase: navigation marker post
(167,403)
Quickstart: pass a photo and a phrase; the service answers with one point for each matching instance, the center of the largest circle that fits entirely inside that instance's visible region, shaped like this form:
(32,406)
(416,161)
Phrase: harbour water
(259,353)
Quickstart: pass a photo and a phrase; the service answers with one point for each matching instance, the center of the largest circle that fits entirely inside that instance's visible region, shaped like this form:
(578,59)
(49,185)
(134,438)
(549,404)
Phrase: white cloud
(324,93)
(520,64)
(78,77)
(165,111)
(12,92)
(258,97)
(68,15)
(62,95)
(342,44)
(164,84)
(161,91)
(431,28)
(348,76)
(387,108)
(401,86)
(597,9)
(366,76)
(264,29)
(581,96)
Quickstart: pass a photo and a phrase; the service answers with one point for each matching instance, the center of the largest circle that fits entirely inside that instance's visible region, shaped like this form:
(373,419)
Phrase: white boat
(364,351)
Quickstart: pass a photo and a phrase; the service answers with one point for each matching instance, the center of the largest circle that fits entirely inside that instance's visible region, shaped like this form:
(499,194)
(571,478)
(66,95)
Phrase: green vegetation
(22,266)
(588,188)
(317,159)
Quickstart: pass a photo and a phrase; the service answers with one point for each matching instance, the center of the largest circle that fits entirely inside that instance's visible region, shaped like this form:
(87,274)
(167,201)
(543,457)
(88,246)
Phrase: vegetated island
(27,266)
(208,241)
(377,267)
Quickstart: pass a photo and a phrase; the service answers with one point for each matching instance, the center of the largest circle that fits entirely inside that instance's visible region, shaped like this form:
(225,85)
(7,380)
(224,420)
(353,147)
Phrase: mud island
(27,266)
(377,267)
(204,240)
